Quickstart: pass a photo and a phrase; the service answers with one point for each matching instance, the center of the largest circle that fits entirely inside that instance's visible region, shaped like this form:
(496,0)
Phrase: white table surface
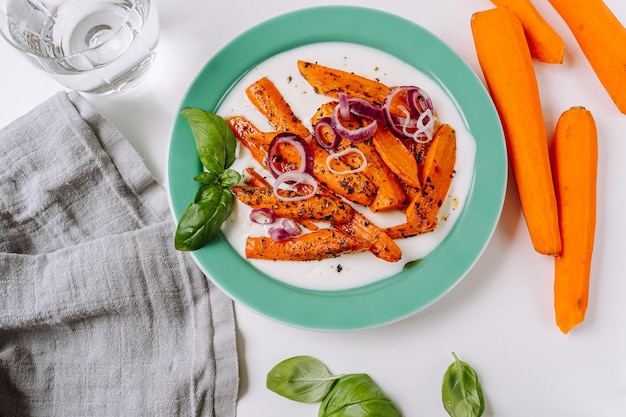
(499,318)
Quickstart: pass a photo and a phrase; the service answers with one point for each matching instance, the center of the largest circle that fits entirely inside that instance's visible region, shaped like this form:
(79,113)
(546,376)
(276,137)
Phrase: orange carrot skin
(507,65)
(575,163)
(438,171)
(331,81)
(321,244)
(322,207)
(378,242)
(544,42)
(602,38)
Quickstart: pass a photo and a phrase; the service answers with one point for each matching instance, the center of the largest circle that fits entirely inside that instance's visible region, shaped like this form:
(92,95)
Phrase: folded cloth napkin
(99,315)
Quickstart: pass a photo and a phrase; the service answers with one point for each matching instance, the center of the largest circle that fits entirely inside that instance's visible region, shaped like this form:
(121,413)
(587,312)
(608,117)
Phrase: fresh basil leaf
(461,392)
(229,178)
(202,219)
(209,178)
(301,378)
(357,395)
(215,142)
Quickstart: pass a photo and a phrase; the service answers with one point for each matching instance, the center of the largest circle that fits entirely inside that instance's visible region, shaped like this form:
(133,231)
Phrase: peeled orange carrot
(602,38)
(544,42)
(575,164)
(507,65)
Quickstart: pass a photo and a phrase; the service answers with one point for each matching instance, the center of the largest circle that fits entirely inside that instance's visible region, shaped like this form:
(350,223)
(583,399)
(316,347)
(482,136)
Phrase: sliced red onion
(301,145)
(363,108)
(344,106)
(354,135)
(421,122)
(337,155)
(419,101)
(291,227)
(325,122)
(278,234)
(262,215)
(294,178)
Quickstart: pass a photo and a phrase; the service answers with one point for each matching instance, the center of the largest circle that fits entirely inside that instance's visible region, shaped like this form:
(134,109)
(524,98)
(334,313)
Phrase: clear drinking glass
(93,46)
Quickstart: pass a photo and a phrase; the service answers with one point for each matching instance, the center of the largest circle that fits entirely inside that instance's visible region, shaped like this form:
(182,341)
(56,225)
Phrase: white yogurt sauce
(351,270)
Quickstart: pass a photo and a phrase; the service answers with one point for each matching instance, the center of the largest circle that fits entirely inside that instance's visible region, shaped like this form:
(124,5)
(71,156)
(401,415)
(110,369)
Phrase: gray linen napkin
(99,315)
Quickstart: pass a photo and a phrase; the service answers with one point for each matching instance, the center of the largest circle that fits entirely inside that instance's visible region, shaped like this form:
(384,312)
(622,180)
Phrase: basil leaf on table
(215,142)
(203,218)
(357,395)
(301,378)
(461,392)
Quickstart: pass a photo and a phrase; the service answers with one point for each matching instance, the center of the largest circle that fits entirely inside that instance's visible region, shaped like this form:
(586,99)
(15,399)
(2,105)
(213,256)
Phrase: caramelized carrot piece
(354,187)
(330,82)
(366,231)
(317,207)
(255,179)
(438,172)
(321,244)
(397,157)
(251,137)
(390,194)
(271,103)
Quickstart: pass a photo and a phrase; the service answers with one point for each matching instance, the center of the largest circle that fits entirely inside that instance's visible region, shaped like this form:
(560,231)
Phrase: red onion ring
(363,108)
(278,234)
(344,106)
(291,227)
(416,99)
(294,178)
(353,135)
(337,155)
(325,122)
(301,145)
(262,215)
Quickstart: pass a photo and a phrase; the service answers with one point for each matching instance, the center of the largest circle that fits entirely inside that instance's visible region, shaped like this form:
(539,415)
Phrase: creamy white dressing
(351,270)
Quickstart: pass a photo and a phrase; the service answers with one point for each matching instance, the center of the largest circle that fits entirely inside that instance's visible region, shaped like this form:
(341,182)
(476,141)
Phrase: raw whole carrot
(544,42)
(331,81)
(602,38)
(575,164)
(507,65)
(438,172)
(317,207)
(321,244)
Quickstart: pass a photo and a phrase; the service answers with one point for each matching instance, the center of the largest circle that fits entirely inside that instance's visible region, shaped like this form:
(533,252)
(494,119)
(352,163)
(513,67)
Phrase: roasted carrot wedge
(255,179)
(354,187)
(317,207)
(390,194)
(330,82)
(271,103)
(506,62)
(438,172)
(544,42)
(251,137)
(602,38)
(575,164)
(321,244)
(397,157)
(378,242)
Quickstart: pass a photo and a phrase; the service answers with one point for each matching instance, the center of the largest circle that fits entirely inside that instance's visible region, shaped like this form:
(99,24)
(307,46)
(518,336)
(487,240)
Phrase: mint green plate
(409,291)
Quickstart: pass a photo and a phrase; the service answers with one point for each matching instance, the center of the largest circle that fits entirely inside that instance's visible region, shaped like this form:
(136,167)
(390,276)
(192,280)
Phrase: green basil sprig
(461,392)
(213,202)
(306,379)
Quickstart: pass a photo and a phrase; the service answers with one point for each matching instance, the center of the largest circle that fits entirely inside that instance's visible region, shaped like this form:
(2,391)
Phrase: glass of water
(93,46)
